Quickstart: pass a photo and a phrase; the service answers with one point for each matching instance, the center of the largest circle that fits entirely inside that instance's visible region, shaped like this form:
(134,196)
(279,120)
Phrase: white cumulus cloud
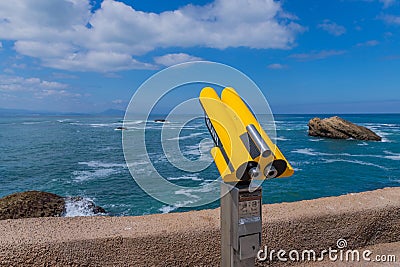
(65,34)
(332,28)
(172,59)
(276,66)
(387,3)
(17,83)
(34,86)
(391,19)
(316,55)
(368,43)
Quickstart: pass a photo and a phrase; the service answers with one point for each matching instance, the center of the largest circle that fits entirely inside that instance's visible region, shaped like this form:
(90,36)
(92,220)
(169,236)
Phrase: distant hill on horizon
(112,112)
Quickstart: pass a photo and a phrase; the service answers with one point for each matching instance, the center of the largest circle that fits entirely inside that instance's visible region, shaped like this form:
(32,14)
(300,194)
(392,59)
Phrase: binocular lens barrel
(258,141)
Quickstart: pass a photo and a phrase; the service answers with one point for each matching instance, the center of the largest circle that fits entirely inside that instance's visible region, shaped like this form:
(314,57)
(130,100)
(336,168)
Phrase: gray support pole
(240,225)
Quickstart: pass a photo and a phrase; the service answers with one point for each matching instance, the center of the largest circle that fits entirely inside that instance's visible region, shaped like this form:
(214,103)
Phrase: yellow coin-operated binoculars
(243,153)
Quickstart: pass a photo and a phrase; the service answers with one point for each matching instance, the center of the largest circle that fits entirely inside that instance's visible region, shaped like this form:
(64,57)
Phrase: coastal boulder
(338,128)
(31,204)
(34,204)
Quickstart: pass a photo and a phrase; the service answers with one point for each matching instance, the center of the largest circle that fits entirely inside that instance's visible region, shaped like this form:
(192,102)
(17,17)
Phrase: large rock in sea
(33,204)
(338,128)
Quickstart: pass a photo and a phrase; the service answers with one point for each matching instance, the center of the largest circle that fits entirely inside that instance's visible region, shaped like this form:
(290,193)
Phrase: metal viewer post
(241,225)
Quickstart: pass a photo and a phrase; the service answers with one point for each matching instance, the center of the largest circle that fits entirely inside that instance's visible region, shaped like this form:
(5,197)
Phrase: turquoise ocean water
(82,155)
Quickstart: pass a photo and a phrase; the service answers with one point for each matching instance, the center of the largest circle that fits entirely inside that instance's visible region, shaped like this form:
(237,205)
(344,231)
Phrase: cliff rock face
(34,204)
(338,128)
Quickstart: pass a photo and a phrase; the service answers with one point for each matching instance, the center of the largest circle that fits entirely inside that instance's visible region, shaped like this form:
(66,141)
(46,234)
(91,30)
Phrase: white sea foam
(158,126)
(202,148)
(133,122)
(355,162)
(167,209)
(99,164)
(141,172)
(113,124)
(206,182)
(98,170)
(306,151)
(156,157)
(315,139)
(96,125)
(119,205)
(188,193)
(79,207)
(191,193)
(380,125)
(137,163)
(281,138)
(64,120)
(384,137)
(292,128)
(195,152)
(299,163)
(311,152)
(32,122)
(82,176)
(378,131)
(391,155)
(193,177)
(185,136)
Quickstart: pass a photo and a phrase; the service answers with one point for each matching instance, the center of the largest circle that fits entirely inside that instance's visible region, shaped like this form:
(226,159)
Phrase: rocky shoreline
(35,204)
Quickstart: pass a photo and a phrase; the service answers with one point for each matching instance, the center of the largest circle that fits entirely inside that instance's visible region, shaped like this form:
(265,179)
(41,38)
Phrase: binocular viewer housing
(243,151)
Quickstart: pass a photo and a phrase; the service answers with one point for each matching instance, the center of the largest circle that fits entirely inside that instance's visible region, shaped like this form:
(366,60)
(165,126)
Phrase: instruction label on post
(249,207)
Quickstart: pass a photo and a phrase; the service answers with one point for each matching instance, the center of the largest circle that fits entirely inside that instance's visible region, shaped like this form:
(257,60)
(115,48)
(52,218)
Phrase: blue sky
(337,56)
